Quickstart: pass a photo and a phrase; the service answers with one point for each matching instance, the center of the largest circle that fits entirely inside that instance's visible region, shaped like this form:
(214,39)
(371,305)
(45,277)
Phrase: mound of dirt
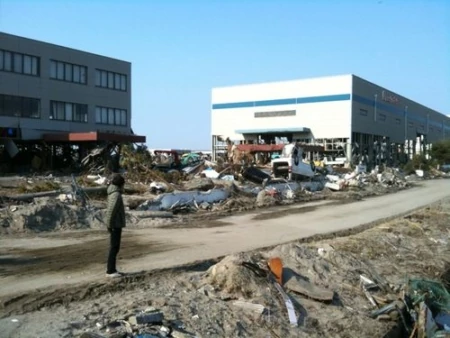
(232,278)
(48,215)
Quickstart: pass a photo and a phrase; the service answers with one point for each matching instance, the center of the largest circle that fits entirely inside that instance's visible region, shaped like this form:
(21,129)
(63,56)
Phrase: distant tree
(441,151)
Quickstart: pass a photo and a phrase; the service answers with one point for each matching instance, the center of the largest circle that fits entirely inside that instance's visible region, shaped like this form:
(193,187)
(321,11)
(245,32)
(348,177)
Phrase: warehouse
(348,115)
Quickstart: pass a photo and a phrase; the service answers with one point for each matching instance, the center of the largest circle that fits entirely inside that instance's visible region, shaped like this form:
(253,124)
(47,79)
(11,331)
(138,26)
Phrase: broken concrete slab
(295,283)
(257,308)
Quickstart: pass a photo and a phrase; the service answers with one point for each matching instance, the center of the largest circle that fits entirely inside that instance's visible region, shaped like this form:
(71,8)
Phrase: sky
(181,49)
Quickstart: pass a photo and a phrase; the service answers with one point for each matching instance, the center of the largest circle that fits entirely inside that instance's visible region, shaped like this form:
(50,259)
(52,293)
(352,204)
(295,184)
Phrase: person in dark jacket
(115,221)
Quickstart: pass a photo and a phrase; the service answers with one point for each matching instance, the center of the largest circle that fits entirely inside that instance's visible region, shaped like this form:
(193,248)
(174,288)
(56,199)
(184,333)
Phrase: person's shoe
(114,275)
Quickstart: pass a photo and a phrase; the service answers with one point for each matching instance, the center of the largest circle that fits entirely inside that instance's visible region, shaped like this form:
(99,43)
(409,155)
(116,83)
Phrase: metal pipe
(375,108)
(406,129)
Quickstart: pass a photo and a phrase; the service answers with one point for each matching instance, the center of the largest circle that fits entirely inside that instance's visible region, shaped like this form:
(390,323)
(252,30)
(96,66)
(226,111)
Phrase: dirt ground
(200,297)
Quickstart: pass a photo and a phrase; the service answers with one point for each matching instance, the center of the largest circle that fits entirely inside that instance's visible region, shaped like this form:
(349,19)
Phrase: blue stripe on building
(279,102)
(330,98)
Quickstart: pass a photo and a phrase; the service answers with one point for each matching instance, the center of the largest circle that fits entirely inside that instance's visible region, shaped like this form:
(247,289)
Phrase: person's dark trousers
(115,238)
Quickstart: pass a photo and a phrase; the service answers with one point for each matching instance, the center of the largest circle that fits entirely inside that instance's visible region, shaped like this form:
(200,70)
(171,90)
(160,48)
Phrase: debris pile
(388,178)
(195,186)
(149,323)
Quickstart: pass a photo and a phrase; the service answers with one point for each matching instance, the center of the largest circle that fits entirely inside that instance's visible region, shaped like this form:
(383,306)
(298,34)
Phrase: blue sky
(181,49)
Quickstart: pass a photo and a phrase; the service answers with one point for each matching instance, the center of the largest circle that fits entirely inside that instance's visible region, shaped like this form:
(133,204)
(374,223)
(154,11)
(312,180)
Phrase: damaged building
(353,119)
(57,103)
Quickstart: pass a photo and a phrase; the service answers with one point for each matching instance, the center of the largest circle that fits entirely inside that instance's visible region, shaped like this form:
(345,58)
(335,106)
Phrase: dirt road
(28,263)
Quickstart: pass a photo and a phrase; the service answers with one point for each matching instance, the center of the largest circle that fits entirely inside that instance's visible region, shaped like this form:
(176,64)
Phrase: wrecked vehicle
(291,164)
(190,159)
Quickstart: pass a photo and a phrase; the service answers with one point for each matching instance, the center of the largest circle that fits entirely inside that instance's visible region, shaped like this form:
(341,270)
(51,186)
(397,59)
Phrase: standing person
(115,221)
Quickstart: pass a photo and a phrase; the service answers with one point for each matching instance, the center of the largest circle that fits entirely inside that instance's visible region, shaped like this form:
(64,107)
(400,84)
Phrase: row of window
(19,63)
(110,80)
(111,116)
(59,70)
(67,111)
(19,106)
(382,118)
(68,72)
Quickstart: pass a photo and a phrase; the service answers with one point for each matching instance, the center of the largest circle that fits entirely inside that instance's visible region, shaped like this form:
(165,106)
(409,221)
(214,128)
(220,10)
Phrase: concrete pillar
(348,151)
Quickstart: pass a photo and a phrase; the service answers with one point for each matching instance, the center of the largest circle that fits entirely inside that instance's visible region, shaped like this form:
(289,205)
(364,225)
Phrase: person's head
(118,180)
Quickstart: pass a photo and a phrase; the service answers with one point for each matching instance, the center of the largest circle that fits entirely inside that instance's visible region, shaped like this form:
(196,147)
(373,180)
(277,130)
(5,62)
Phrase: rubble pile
(388,178)
(203,190)
(149,323)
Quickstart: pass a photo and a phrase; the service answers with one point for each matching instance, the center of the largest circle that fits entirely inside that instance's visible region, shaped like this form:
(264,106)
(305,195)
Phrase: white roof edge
(285,81)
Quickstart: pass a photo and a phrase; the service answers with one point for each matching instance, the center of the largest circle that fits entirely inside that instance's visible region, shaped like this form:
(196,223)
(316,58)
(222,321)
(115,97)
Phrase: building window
(410,124)
(68,72)
(19,106)
(110,80)
(397,121)
(68,111)
(363,112)
(19,63)
(275,113)
(382,117)
(111,116)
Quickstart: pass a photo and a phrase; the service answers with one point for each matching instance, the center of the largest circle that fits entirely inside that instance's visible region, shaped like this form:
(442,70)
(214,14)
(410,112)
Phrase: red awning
(92,137)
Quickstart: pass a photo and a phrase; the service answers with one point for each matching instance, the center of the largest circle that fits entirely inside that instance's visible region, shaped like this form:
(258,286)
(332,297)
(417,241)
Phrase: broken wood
(369,297)
(30,196)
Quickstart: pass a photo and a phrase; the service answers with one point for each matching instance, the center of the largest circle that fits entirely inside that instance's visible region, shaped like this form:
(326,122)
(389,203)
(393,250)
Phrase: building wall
(320,104)
(47,89)
(390,114)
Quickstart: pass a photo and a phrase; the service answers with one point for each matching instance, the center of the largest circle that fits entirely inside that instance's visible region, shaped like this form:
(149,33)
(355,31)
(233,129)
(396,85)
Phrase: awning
(273,131)
(92,137)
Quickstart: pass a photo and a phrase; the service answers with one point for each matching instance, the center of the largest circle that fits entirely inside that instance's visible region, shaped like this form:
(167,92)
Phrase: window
(382,117)
(27,65)
(68,111)
(111,116)
(19,63)
(410,124)
(19,106)
(397,121)
(7,63)
(110,80)
(276,113)
(363,112)
(68,72)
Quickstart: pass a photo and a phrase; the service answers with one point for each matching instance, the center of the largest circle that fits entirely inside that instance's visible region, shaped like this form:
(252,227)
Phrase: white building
(337,111)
